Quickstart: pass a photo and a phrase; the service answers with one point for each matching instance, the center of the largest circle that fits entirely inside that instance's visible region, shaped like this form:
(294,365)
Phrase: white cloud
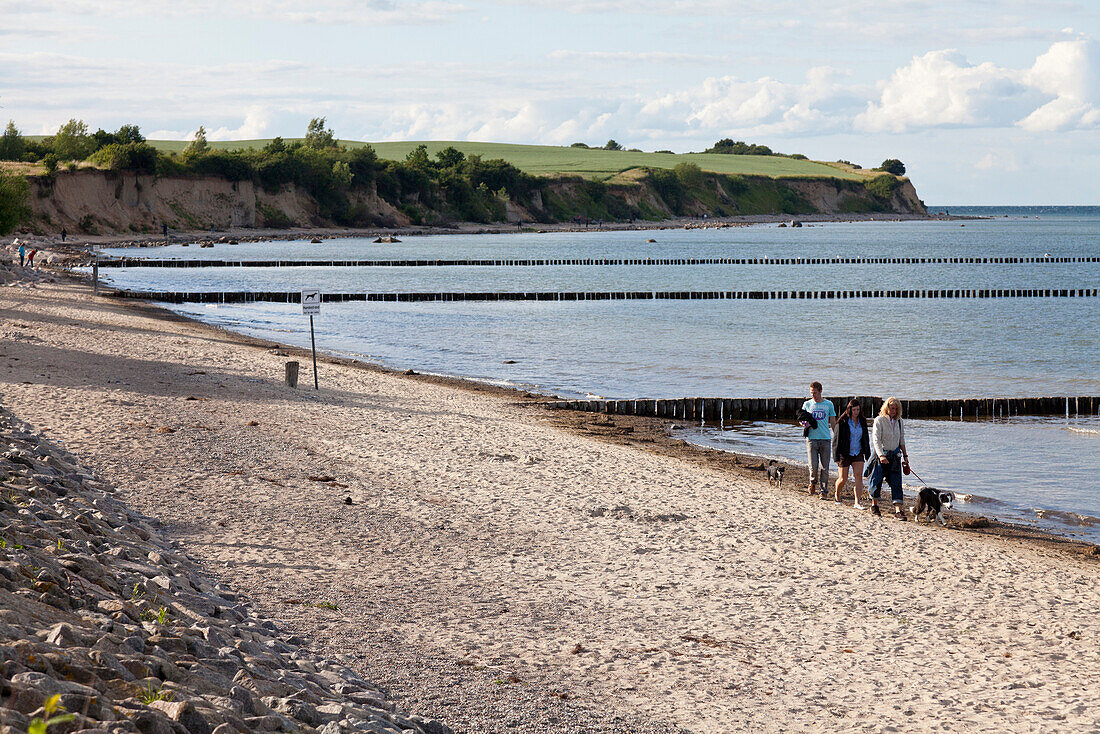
(634,56)
(514,103)
(942,89)
(1070,72)
(254,125)
(998,161)
(766,105)
(353,12)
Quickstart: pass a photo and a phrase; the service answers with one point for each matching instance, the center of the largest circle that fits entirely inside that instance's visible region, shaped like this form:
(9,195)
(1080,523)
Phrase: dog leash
(909,470)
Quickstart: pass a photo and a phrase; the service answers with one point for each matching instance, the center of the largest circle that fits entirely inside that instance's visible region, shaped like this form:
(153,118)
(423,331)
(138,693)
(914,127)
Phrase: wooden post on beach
(95,272)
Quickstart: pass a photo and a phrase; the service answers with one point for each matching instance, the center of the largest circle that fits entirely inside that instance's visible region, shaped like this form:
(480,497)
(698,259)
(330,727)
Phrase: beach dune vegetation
(893,166)
(318,136)
(198,145)
(137,157)
(882,187)
(14,194)
(72,141)
(13,146)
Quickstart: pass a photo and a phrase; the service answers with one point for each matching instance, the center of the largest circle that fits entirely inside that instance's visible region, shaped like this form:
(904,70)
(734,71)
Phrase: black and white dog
(775,473)
(931,502)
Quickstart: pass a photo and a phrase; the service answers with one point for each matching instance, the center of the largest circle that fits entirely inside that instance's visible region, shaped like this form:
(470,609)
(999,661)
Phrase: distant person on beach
(819,439)
(22,255)
(30,258)
(851,448)
(888,445)
(164,230)
(64,234)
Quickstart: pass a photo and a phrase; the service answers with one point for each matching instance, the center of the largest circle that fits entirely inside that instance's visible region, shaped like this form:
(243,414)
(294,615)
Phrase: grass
(586,162)
(54,713)
(23,169)
(150,693)
(160,616)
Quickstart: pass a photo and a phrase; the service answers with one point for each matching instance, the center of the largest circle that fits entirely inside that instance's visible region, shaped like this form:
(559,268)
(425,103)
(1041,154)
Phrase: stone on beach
(100,609)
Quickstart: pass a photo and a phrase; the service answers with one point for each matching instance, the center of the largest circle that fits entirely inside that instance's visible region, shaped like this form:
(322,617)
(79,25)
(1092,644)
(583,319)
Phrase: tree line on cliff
(448,187)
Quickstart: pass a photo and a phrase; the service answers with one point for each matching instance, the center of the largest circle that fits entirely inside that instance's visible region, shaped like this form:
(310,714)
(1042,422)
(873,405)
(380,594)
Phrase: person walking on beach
(851,448)
(30,258)
(888,445)
(819,439)
(22,255)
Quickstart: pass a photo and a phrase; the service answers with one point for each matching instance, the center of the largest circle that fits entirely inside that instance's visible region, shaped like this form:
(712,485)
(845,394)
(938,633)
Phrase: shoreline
(584,421)
(243,234)
(643,432)
(503,568)
(971,521)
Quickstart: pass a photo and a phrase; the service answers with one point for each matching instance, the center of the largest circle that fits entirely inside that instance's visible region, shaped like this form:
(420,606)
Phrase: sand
(498,571)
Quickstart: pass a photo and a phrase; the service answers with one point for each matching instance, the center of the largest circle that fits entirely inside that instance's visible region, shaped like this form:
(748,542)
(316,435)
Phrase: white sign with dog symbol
(311,303)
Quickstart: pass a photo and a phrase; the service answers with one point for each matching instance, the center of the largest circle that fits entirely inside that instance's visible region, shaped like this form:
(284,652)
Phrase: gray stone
(62,635)
(296,709)
(270,722)
(184,712)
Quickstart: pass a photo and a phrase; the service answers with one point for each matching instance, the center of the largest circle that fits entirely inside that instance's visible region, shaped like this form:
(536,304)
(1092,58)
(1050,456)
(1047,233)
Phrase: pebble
(134,638)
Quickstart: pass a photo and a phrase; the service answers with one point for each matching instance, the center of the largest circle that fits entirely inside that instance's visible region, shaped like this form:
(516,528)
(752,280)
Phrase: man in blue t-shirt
(819,439)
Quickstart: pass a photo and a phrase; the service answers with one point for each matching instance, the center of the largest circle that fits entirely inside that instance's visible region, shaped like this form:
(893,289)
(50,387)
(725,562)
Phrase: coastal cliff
(92,201)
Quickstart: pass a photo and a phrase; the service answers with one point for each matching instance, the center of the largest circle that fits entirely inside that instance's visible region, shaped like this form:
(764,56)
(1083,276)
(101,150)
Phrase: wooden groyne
(719,410)
(135,262)
(296,296)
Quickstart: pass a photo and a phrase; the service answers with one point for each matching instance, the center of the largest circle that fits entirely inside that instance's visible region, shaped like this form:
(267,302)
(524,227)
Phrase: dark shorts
(849,460)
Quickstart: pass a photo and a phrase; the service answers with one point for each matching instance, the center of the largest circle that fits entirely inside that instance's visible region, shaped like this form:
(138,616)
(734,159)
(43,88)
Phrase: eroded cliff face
(844,197)
(93,201)
(108,201)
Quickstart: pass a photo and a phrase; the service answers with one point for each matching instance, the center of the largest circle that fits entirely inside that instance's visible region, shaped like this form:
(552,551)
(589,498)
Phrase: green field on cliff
(586,162)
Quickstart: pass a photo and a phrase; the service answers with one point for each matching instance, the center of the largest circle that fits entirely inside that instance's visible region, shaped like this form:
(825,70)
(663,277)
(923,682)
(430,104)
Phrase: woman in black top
(851,447)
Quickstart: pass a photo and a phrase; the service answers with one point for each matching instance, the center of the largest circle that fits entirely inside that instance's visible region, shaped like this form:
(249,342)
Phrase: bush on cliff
(14,193)
(126,134)
(894,166)
(72,141)
(881,187)
(137,157)
(729,146)
(13,146)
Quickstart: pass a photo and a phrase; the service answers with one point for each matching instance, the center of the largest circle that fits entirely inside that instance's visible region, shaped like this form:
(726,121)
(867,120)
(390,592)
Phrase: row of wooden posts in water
(134,262)
(296,296)
(719,410)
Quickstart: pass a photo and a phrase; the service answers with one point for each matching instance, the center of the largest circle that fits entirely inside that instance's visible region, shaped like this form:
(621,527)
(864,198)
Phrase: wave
(1084,431)
(1068,518)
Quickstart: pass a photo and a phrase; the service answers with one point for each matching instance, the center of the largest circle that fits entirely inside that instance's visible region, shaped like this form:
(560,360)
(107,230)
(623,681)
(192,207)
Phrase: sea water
(1041,469)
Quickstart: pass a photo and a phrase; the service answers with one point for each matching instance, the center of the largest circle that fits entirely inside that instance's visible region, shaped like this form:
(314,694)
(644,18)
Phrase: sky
(985,101)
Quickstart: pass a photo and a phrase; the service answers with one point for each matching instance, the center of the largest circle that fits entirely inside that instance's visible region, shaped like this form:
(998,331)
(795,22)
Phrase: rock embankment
(98,607)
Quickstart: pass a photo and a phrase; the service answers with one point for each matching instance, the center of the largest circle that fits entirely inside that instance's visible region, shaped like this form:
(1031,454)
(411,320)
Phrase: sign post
(311,305)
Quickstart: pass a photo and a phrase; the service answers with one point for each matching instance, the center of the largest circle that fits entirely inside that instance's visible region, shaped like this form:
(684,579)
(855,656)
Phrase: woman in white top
(888,446)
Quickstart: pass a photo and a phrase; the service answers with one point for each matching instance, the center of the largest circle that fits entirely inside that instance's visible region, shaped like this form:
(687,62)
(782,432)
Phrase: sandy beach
(502,574)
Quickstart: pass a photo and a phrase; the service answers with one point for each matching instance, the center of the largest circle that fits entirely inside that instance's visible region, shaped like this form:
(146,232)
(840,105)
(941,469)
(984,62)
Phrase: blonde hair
(885,409)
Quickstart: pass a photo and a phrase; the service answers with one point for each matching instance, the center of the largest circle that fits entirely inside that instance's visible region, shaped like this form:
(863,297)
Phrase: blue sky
(986,101)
